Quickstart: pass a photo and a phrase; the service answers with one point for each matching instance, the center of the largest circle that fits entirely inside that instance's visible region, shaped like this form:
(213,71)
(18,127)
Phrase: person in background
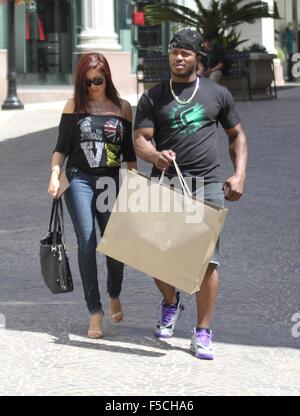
(212,63)
(288,44)
(95,134)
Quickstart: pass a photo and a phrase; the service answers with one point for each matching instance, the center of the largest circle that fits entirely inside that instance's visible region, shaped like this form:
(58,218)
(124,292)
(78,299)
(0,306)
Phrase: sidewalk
(35,117)
(256,325)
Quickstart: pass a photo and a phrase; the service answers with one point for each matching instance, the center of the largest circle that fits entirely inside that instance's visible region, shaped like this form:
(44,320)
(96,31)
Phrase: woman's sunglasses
(95,81)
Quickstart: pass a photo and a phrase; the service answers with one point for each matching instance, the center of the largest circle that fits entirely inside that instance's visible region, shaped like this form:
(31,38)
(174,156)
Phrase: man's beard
(186,74)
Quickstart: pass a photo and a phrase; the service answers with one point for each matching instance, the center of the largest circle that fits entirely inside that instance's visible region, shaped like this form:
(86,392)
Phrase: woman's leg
(114,267)
(80,201)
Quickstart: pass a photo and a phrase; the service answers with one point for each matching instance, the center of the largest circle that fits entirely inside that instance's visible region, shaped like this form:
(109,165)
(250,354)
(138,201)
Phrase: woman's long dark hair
(87,62)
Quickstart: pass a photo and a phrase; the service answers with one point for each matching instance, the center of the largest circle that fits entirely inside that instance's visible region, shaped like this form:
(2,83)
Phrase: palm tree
(221,18)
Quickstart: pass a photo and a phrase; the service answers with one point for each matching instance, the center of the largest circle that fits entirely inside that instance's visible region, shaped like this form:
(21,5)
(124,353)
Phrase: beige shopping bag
(172,245)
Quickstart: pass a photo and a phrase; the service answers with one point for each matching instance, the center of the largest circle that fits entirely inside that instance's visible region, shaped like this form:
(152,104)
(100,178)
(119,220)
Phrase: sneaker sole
(202,356)
(162,336)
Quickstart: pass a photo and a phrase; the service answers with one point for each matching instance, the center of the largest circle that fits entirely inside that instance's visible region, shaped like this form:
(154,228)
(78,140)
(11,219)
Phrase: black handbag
(54,260)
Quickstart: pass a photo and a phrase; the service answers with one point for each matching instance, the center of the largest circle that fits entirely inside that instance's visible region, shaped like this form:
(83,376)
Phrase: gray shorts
(213,193)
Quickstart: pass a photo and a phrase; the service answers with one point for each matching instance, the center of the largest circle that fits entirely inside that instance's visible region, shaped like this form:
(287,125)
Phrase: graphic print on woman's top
(190,130)
(95,143)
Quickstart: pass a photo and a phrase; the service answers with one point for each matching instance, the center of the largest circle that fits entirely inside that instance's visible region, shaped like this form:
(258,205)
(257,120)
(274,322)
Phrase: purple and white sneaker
(169,317)
(201,344)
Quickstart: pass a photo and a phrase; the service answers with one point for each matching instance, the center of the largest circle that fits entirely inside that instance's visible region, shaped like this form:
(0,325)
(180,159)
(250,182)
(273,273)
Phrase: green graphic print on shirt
(190,118)
(112,151)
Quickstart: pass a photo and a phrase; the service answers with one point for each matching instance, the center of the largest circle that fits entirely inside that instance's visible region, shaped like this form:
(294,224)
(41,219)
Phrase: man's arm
(234,186)
(146,151)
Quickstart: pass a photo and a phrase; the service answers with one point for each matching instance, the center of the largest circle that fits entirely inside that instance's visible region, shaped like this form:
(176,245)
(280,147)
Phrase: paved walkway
(43,341)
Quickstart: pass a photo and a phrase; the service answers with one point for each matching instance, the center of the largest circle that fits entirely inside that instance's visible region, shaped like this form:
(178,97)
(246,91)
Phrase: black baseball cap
(187,39)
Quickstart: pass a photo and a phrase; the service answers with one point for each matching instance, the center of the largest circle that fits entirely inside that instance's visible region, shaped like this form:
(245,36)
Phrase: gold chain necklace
(176,98)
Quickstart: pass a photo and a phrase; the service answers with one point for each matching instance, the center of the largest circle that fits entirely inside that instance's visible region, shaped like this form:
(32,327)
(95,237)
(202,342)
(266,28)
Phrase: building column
(268,30)
(98,26)
(262,31)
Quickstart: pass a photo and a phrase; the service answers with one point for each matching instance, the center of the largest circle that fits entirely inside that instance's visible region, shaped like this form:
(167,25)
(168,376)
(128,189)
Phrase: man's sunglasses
(95,81)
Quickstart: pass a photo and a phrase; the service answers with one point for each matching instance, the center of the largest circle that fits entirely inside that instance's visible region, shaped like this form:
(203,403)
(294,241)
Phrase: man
(214,64)
(288,43)
(193,142)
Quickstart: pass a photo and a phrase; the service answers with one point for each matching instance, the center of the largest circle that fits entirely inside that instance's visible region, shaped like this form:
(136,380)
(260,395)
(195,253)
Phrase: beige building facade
(51,34)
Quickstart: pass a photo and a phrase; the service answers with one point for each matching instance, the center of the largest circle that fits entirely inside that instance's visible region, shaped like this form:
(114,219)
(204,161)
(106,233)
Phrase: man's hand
(163,160)
(234,188)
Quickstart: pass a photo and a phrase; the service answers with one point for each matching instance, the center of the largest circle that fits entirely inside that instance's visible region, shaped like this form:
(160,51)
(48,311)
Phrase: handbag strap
(56,224)
(60,219)
(51,216)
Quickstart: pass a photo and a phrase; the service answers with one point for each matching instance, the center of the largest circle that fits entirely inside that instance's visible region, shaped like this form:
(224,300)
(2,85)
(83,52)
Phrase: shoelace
(168,313)
(204,338)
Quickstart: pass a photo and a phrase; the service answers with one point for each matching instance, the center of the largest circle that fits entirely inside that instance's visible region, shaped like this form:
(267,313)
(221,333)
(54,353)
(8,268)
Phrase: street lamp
(12,101)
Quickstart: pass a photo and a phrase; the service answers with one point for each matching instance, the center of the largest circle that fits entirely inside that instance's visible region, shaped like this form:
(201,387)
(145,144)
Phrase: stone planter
(261,75)
(261,78)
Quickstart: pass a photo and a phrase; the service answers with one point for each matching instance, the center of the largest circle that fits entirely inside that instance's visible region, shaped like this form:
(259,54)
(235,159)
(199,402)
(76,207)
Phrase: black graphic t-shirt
(95,143)
(190,130)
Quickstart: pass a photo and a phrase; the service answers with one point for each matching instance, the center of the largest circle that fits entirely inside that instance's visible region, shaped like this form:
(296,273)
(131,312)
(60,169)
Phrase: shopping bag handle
(181,178)
(185,188)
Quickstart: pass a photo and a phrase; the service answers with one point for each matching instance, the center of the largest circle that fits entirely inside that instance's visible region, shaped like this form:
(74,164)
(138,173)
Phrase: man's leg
(201,340)
(206,296)
(168,292)
(170,310)
(290,67)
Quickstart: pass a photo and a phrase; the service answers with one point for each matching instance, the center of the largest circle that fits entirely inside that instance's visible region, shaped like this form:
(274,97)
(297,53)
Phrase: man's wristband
(54,170)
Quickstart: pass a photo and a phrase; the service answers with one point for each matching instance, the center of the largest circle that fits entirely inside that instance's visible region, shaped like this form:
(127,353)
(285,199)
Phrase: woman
(95,130)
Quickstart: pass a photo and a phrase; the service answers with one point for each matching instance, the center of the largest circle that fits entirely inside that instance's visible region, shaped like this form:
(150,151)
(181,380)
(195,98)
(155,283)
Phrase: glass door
(45,29)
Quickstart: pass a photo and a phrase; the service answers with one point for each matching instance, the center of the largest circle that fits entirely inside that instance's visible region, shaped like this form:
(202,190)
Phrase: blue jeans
(80,199)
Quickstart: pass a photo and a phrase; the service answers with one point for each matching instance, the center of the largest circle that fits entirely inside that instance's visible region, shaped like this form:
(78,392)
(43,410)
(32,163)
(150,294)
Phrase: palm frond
(184,11)
(235,14)
(156,15)
(220,18)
